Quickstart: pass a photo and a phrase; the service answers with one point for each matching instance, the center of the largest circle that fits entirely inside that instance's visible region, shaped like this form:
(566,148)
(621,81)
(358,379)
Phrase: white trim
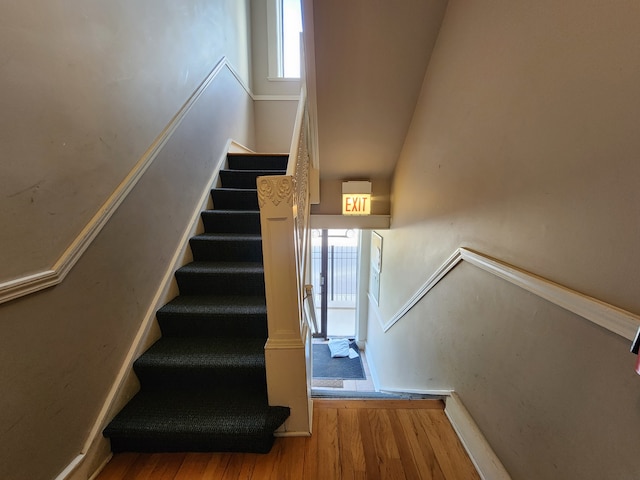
(240,80)
(284,344)
(374,373)
(19,287)
(398,390)
(373,222)
(443,392)
(98,471)
(614,319)
(262,97)
(431,282)
(372,368)
(376,309)
(480,452)
(69,469)
(284,79)
(235,147)
(276,98)
(22,286)
(292,434)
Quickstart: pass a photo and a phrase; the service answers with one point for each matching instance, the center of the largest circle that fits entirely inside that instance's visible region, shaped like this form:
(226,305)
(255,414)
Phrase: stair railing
(284,219)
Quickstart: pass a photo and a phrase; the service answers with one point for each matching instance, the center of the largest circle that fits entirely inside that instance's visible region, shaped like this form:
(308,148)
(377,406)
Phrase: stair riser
(240,326)
(219,250)
(220,284)
(257,162)
(244,179)
(234,199)
(207,379)
(218,222)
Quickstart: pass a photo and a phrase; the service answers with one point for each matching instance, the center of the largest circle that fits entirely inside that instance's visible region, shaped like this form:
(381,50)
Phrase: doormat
(343,368)
(318,383)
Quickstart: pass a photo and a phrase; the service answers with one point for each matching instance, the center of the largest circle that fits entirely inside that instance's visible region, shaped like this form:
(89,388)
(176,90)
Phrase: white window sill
(282,79)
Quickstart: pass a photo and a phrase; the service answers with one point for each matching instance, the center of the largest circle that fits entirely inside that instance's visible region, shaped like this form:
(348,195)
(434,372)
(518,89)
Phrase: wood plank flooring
(353,439)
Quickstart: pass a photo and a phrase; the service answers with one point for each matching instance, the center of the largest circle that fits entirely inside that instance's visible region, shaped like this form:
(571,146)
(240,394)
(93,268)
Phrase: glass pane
(341,278)
(342,283)
(291,29)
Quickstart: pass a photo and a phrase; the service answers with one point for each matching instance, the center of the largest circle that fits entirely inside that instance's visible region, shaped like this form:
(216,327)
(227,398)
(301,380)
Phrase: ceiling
(370,62)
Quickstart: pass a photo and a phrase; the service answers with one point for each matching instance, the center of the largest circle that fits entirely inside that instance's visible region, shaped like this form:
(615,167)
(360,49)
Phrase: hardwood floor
(353,439)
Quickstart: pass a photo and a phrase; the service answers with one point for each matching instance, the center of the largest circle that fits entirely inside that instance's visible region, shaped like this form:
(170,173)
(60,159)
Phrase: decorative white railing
(284,219)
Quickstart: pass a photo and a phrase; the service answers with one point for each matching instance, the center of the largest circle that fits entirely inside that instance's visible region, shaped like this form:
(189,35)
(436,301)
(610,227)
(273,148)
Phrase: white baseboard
(397,390)
(69,469)
(161,297)
(372,368)
(101,467)
(236,147)
(443,392)
(292,434)
(484,459)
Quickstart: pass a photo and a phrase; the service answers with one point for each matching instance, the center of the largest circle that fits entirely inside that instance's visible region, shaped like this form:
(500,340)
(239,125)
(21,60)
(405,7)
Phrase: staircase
(203,383)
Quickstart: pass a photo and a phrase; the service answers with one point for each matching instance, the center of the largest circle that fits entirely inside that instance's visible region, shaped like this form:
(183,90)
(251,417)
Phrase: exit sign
(356,198)
(356,204)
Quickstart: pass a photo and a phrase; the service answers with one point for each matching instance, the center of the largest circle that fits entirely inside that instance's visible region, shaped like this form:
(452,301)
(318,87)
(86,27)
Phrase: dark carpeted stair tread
(229,221)
(229,236)
(239,191)
(257,162)
(222,268)
(221,278)
(219,316)
(249,172)
(182,421)
(215,305)
(203,383)
(203,353)
(227,246)
(245,178)
(203,363)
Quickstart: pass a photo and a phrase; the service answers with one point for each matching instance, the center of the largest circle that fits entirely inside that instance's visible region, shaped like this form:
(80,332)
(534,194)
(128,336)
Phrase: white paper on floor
(339,347)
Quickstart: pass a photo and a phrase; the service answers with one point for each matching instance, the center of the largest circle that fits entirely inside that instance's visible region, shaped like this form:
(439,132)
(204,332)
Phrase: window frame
(275,45)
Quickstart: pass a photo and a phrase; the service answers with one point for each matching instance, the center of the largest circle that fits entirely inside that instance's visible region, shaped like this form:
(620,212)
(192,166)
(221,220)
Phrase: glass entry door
(334,255)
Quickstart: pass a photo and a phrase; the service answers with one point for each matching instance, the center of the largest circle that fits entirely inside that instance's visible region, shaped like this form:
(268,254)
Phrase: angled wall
(86,90)
(523,146)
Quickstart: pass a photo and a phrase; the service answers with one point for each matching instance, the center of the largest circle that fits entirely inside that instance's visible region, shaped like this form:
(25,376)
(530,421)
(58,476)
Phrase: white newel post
(285,348)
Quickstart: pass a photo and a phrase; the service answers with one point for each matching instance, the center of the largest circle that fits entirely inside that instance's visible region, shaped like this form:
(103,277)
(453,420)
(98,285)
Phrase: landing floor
(354,439)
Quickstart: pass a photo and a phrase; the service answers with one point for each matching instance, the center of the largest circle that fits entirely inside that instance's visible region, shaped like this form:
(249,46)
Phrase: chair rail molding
(612,318)
(48,277)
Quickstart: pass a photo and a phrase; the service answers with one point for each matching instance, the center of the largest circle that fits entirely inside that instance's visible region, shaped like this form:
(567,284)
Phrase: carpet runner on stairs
(203,383)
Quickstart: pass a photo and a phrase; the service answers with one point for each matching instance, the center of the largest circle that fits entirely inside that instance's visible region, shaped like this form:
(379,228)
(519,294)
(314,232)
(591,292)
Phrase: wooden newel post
(285,350)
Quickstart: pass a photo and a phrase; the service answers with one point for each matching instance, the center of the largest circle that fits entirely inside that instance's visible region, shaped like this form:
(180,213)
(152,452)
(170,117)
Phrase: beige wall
(274,124)
(523,146)
(86,89)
